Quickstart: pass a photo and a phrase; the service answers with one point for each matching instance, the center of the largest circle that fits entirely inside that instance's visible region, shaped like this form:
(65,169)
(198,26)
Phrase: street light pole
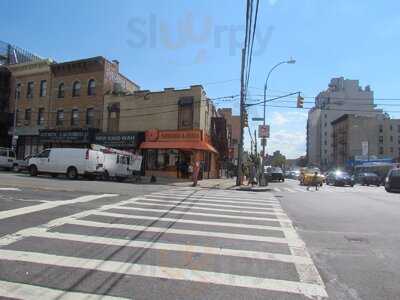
(290,61)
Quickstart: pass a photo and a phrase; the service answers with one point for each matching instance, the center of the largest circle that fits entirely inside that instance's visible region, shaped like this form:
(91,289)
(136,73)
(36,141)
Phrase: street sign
(263,131)
(257,119)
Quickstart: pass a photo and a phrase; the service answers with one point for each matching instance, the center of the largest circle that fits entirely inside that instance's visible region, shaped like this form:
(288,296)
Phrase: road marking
(10,189)
(290,190)
(223,224)
(193,206)
(196,203)
(277,190)
(212,197)
(246,237)
(264,203)
(5,214)
(189,213)
(32,292)
(166,272)
(173,247)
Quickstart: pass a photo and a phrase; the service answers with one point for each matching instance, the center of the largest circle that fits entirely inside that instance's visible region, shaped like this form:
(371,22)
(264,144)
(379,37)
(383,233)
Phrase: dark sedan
(339,178)
(392,181)
(276,174)
(368,179)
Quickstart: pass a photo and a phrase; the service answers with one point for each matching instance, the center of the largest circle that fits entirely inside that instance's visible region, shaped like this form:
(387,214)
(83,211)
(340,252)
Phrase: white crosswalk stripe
(245,211)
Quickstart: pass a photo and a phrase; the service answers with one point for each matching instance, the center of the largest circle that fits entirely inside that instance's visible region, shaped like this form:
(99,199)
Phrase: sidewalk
(224,183)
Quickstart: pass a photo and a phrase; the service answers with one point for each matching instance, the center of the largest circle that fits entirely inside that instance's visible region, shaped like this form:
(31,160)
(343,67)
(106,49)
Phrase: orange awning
(183,145)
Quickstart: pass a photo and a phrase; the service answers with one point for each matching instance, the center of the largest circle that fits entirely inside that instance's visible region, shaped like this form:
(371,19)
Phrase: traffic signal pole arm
(273,99)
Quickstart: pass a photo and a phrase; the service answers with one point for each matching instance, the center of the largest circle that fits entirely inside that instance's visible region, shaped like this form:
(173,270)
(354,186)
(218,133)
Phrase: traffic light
(300,101)
(245,119)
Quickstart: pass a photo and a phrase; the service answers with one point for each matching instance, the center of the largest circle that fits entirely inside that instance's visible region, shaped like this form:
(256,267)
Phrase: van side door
(43,161)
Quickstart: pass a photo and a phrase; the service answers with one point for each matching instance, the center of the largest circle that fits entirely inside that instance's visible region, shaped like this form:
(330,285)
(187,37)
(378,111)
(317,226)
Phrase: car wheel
(106,176)
(120,179)
(388,189)
(33,171)
(72,173)
(16,168)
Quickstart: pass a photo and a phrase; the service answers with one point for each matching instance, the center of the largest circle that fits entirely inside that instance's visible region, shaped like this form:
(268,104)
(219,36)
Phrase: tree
(278,159)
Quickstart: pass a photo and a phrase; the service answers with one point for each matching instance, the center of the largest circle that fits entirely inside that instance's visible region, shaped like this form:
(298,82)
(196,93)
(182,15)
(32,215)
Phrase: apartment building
(233,128)
(366,138)
(177,126)
(61,104)
(343,96)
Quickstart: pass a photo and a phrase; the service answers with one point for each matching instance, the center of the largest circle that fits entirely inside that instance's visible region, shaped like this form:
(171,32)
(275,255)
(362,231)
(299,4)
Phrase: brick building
(61,104)
(233,128)
(177,123)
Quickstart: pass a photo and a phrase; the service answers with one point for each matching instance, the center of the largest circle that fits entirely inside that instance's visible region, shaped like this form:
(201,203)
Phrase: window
(325,143)
(185,114)
(44,154)
(76,89)
(28,115)
(60,118)
(90,116)
(40,119)
(325,124)
(325,133)
(75,117)
(398,128)
(380,128)
(398,140)
(391,150)
(43,88)
(391,127)
(381,139)
(380,150)
(29,90)
(391,138)
(60,93)
(18,91)
(91,87)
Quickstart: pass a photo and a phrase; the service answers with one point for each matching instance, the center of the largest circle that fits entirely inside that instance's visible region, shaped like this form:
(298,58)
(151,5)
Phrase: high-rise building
(343,96)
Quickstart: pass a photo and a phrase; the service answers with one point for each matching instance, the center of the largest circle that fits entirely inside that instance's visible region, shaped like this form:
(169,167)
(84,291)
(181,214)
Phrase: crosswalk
(329,189)
(182,243)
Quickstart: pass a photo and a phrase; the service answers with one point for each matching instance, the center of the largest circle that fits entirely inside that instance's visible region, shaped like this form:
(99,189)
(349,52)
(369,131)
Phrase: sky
(180,43)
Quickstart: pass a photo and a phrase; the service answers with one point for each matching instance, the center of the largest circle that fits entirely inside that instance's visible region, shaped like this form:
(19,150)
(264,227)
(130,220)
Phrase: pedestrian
(196,170)
(178,168)
(313,181)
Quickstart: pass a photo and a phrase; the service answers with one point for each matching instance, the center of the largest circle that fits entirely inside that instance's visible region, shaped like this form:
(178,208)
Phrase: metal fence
(10,55)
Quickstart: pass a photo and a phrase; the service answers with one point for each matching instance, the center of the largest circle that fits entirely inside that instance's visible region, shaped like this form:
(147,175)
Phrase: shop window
(28,115)
(40,119)
(185,113)
(29,90)
(162,160)
(75,117)
(43,88)
(61,91)
(90,117)
(91,87)
(76,89)
(60,118)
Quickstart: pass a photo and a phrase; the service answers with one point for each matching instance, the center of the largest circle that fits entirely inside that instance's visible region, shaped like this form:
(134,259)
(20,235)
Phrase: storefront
(170,153)
(75,138)
(128,141)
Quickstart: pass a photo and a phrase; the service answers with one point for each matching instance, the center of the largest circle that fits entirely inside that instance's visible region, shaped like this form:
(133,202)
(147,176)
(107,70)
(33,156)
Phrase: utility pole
(255,142)
(240,146)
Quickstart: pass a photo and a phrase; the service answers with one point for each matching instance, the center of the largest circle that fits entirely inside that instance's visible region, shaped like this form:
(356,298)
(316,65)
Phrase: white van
(70,161)
(7,158)
(116,164)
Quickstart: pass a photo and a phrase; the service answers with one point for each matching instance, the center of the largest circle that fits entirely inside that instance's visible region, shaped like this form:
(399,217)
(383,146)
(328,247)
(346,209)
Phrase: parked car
(70,161)
(368,179)
(392,181)
(22,165)
(339,178)
(275,174)
(7,159)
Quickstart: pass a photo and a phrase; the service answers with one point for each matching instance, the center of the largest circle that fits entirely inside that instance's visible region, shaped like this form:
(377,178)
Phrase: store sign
(181,135)
(66,136)
(131,139)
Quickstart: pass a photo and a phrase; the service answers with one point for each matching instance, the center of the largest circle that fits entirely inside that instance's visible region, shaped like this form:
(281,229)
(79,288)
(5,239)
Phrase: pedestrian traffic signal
(300,101)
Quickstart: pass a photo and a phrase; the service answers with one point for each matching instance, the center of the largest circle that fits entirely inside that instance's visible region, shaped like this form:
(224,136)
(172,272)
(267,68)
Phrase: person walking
(313,181)
(196,170)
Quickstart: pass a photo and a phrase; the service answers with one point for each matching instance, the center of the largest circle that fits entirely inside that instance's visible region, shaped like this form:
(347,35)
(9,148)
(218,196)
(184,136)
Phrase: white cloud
(279,119)
(291,143)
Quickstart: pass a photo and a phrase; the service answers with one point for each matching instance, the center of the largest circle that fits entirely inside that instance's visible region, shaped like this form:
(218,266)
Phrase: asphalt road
(63,239)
